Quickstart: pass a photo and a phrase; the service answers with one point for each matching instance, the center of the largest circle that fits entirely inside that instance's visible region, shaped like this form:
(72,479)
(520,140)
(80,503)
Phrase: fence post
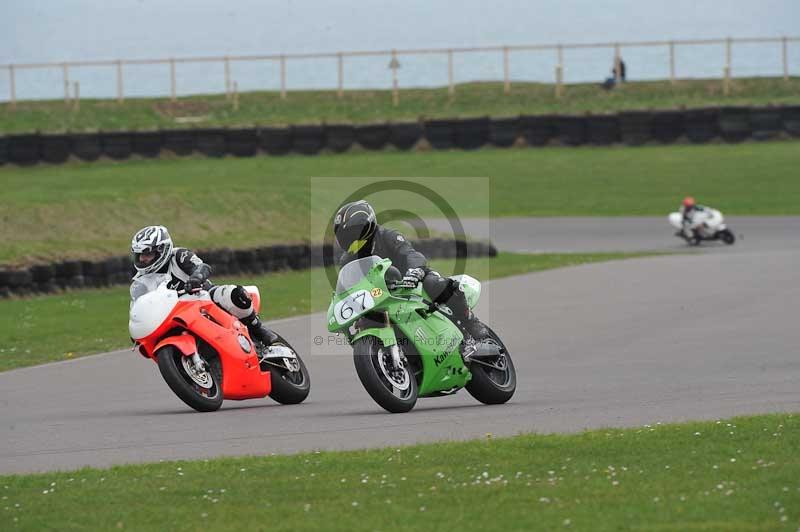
(785,53)
(172,79)
(228,87)
(65,76)
(394,64)
(451,89)
(340,67)
(12,87)
(726,86)
(283,77)
(672,63)
(506,71)
(560,71)
(617,65)
(120,87)
(77,96)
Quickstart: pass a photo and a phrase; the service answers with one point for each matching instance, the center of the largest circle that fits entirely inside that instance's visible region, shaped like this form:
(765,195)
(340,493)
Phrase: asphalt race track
(702,335)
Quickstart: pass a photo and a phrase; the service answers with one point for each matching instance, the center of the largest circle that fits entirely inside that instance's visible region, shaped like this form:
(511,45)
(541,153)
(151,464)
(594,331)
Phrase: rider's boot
(469,324)
(474,327)
(258,331)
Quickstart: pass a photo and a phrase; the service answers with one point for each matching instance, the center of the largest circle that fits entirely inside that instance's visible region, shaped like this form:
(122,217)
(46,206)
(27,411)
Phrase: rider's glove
(194,284)
(413,276)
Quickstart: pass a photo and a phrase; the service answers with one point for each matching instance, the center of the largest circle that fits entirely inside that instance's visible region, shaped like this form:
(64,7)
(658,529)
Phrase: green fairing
(434,337)
(384,334)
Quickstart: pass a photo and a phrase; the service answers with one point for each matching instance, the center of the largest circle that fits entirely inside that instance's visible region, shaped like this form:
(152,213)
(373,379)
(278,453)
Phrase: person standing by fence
(617,73)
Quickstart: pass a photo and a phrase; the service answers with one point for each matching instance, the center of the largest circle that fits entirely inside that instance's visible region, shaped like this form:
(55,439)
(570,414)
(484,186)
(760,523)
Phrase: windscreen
(352,272)
(147,283)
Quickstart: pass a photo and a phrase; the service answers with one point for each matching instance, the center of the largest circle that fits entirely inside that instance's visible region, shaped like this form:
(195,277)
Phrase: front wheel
(200,389)
(727,236)
(393,388)
(291,383)
(494,380)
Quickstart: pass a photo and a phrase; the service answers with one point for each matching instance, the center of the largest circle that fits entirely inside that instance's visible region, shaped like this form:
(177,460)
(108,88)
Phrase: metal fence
(777,47)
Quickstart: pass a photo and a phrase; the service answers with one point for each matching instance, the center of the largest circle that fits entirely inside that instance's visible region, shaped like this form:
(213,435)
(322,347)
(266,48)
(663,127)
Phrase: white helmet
(155,244)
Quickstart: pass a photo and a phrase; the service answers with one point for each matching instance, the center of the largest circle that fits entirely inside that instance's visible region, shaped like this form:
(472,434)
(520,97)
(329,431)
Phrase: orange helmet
(688,201)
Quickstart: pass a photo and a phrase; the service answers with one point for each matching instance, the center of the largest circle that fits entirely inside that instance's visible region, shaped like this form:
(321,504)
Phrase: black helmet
(354,226)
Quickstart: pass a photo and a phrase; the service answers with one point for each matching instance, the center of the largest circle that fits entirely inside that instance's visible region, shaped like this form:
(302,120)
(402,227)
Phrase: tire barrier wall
(631,128)
(74,274)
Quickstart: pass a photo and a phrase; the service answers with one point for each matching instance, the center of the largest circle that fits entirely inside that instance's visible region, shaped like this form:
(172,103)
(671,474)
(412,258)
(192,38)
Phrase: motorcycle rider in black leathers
(359,235)
(156,260)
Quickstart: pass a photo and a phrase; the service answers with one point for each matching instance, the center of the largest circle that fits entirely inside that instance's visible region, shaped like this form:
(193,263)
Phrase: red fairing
(185,343)
(242,377)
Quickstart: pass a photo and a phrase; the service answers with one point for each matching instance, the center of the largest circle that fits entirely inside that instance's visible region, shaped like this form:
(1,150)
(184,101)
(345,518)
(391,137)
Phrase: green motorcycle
(405,346)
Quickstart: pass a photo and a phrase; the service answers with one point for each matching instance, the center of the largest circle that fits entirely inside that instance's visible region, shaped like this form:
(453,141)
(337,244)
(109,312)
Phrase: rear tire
(289,387)
(727,236)
(492,386)
(190,392)
(367,354)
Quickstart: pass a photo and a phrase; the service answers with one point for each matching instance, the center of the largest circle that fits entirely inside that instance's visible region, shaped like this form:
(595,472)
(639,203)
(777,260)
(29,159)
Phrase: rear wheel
(291,382)
(393,388)
(200,389)
(494,380)
(727,236)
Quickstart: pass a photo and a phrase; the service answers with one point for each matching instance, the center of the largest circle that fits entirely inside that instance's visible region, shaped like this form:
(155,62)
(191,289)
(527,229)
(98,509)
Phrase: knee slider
(241,298)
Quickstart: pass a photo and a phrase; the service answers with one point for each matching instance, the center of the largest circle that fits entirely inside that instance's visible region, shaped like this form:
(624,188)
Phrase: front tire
(395,390)
(490,385)
(727,236)
(203,392)
(289,387)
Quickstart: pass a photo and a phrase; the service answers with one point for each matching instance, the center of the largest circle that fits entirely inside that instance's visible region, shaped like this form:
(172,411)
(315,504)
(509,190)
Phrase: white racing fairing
(148,311)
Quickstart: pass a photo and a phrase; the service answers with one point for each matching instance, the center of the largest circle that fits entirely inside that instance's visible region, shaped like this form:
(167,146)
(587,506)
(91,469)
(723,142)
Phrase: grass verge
(86,211)
(470,99)
(727,475)
(49,328)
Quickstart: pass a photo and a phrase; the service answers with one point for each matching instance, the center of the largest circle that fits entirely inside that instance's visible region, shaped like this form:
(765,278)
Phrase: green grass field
(91,210)
(49,328)
(741,474)
(472,99)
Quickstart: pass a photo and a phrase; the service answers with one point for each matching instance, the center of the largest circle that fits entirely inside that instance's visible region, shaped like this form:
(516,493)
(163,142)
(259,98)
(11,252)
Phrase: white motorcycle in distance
(706,225)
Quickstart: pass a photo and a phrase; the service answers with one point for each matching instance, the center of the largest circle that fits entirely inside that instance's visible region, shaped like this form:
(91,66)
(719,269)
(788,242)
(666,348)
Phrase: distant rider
(156,260)
(359,235)
(695,218)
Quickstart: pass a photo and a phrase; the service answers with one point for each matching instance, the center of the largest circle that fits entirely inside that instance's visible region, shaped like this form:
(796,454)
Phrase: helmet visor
(144,257)
(353,239)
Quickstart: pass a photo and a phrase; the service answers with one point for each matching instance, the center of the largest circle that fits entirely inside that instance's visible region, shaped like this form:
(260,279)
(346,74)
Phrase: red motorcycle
(207,355)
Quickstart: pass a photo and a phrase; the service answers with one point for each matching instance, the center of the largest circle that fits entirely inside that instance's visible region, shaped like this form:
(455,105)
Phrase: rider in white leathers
(698,219)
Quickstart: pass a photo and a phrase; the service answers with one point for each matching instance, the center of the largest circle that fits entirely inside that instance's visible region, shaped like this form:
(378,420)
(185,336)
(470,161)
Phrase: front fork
(394,350)
(199,363)
(386,336)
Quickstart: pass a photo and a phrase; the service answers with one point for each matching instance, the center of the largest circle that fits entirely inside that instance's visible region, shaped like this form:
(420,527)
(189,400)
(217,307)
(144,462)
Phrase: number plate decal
(353,305)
